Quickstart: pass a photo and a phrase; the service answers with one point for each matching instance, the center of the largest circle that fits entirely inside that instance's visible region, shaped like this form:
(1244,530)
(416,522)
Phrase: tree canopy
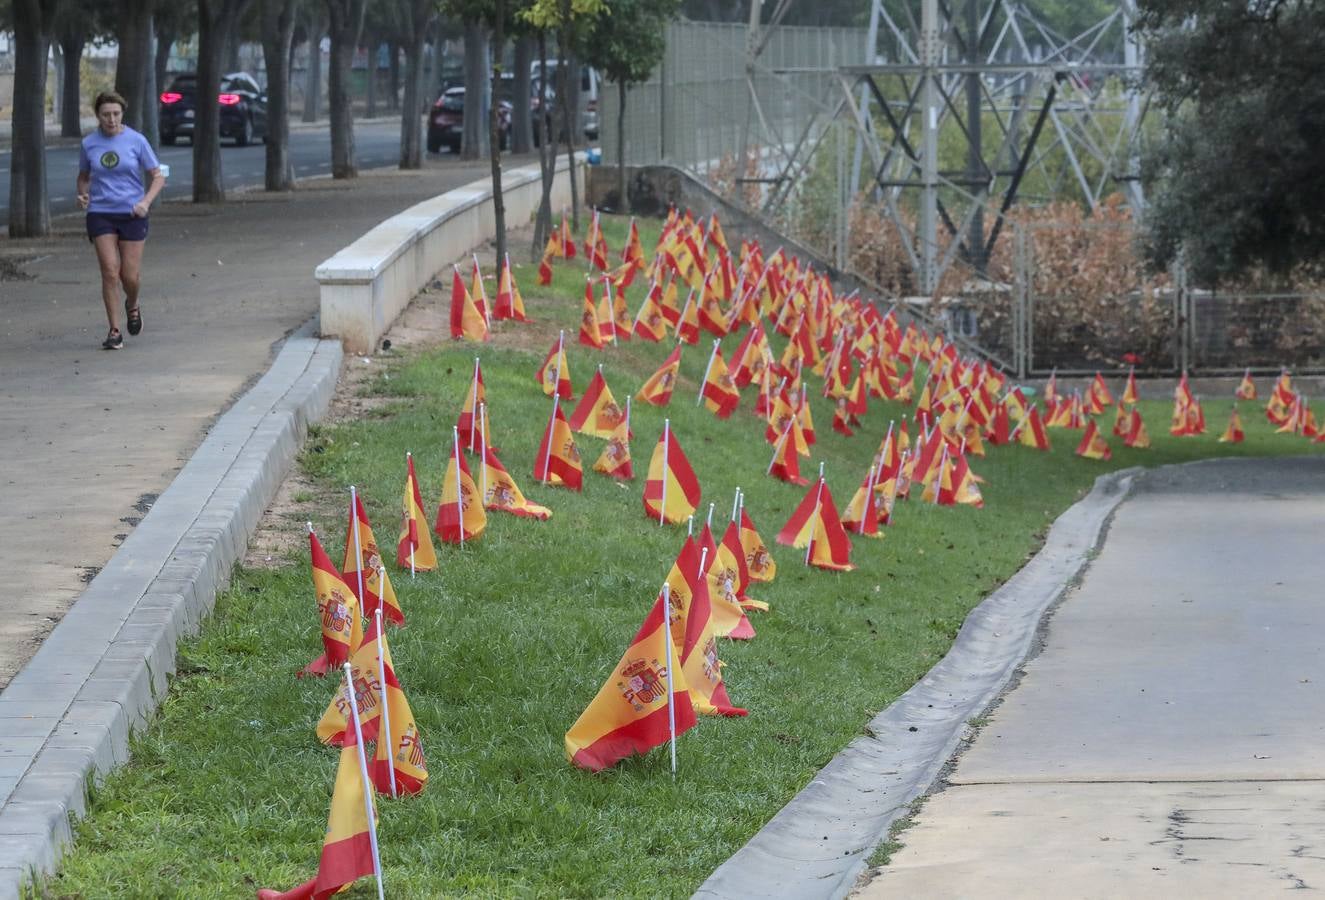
(1235,181)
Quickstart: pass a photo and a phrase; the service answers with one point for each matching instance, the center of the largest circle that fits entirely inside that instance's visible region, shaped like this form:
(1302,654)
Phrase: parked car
(589,86)
(446,121)
(242,103)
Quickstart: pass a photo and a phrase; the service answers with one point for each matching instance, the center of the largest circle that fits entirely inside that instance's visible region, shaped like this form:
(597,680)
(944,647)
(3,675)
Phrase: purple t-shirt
(117,165)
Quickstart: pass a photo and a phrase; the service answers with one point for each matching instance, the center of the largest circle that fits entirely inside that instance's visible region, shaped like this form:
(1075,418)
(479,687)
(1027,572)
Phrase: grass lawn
(228,789)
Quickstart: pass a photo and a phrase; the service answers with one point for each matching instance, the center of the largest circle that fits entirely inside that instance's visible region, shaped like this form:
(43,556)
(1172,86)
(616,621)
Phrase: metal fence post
(1021,325)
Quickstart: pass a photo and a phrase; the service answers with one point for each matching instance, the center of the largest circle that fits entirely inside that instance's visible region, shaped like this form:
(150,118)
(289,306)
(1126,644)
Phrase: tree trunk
(474,133)
(313,77)
(165,42)
(564,95)
(133,31)
(277,36)
(151,111)
(393,75)
(72,40)
(29,211)
(346,17)
(547,156)
(215,18)
(522,126)
(370,71)
(411,125)
(233,42)
(494,136)
(623,205)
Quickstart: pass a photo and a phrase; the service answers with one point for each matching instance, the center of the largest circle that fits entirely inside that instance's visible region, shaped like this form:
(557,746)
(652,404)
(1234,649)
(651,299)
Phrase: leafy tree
(1236,180)
(626,43)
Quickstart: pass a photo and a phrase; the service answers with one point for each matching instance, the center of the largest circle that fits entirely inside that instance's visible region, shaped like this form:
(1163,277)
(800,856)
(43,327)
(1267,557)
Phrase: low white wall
(365,286)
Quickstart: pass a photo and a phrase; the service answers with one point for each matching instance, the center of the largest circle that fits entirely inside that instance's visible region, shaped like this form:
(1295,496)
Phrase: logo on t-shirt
(110,159)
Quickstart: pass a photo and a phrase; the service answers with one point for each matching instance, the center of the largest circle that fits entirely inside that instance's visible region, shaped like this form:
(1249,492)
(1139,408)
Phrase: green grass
(228,788)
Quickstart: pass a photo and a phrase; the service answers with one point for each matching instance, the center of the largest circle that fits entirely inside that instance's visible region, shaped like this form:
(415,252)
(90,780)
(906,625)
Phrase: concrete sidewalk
(1169,740)
(90,438)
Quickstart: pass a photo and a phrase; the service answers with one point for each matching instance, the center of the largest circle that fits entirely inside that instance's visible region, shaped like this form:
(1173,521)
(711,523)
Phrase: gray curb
(817,845)
(65,719)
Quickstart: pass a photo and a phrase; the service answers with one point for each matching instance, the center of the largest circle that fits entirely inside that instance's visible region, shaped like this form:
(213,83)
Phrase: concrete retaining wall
(369,283)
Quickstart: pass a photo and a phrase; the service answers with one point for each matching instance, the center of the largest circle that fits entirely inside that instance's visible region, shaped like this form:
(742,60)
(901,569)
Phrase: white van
(589,85)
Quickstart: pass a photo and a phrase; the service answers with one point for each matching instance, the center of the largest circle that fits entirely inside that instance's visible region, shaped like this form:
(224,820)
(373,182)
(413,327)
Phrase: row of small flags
(671,671)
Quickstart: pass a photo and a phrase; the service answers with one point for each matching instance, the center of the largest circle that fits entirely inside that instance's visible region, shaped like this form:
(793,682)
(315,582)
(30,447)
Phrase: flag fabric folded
(509,303)
(398,762)
(1031,431)
(861,515)
(693,632)
(597,412)
(785,465)
(815,524)
(500,491)
(615,461)
(1093,445)
(1130,394)
(1135,435)
(414,550)
(467,320)
(367,563)
(554,375)
(338,612)
(650,325)
(475,398)
(1233,433)
(460,515)
(718,391)
(558,459)
(591,323)
(671,490)
(720,572)
(758,561)
(629,715)
(1246,389)
(657,391)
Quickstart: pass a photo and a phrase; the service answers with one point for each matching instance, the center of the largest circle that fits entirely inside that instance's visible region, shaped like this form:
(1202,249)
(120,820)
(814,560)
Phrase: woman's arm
(154,188)
(81,188)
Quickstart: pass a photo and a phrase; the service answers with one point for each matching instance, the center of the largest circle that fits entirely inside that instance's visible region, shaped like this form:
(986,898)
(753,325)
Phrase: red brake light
(171,97)
(228,99)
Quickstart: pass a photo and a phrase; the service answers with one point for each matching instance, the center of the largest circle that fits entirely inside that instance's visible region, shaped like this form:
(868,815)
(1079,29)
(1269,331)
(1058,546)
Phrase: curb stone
(66,718)
(818,844)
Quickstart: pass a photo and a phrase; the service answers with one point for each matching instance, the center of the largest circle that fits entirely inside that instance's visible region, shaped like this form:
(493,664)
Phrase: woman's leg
(131,265)
(108,259)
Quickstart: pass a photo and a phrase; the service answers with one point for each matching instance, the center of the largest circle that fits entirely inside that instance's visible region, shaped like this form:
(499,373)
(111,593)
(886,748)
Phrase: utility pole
(929,153)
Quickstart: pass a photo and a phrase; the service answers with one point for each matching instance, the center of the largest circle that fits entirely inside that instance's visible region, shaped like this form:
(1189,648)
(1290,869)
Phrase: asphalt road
(376,144)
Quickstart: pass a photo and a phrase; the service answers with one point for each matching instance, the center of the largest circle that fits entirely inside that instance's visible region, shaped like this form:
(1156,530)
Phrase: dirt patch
(11,269)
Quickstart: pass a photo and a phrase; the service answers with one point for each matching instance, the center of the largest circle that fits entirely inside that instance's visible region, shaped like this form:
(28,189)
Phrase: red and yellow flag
(658,389)
(415,540)
(475,398)
(862,513)
(1135,435)
(1246,389)
(399,758)
(553,376)
(467,320)
(347,849)
(500,491)
(1099,394)
(671,491)
(1031,431)
(365,676)
(591,323)
(460,515)
(718,391)
(558,459)
(687,329)
(758,561)
(377,590)
(633,252)
(630,713)
(731,542)
(815,524)
(721,575)
(691,618)
(597,412)
(567,242)
(650,325)
(1130,394)
(615,461)
(338,612)
(1233,433)
(785,465)
(509,304)
(1093,445)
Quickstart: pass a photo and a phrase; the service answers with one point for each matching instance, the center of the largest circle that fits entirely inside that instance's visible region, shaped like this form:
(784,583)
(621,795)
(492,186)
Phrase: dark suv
(242,103)
(446,121)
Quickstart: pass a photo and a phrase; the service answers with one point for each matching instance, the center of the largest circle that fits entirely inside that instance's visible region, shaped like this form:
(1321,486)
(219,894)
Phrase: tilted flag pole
(708,368)
(459,490)
(409,465)
(690,525)
(363,773)
(386,710)
(818,497)
(547,457)
(483,450)
(487,317)
(671,691)
(777,451)
(561,350)
(869,492)
(662,503)
(607,295)
(473,402)
(709,521)
(358,554)
(736,502)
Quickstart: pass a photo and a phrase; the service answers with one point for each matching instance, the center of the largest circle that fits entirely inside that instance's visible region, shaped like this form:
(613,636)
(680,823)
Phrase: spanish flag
(591,325)
(365,676)
(414,549)
(466,319)
(349,846)
(398,766)
(1093,445)
(965,485)
(721,574)
(558,459)
(367,564)
(862,513)
(999,429)
(1246,388)
(1031,431)
(621,323)
(687,330)
(1099,393)
(633,252)
(1122,420)
(731,543)
(500,491)
(1233,433)
(338,612)
(658,389)
(475,398)
(758,561)
(615,461)
(597,412)
(1130,395)
(785,465)
(460,515)
(1136,435)
(671,491)
(509,305)
(554,374)
(606,314)
(816,525)
(477,292)
(692,631)
(650,324)
(840,419)
(630,713)
(718,392)
(567,242)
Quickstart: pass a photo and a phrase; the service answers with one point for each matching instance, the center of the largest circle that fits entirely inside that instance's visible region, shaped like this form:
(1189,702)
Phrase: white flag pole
(690,525)
(482,292)
(708,368)
(367,783)
(409,468)
(561,349)
(627,416)
(358,554)
(459,492)
(662,503)
(483,452)
(865,506)
(551,429)
(473,404)
(611,307)
(671,692)
(640,315)
(736,499)
(777,451)
(818,497)
(703,562)
(386,709)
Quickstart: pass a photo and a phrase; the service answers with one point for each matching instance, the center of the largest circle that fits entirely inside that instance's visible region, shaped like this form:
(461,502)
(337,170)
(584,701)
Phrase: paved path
(89,438)
(1170,738)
